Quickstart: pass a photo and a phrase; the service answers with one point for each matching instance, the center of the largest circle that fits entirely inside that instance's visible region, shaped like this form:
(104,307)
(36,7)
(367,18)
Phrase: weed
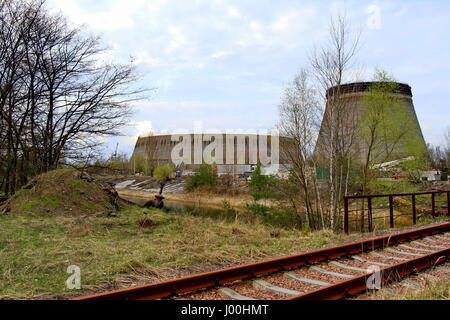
(35,251)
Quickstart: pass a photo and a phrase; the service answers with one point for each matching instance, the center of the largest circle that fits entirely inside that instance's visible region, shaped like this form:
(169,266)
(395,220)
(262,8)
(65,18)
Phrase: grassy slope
(36,251)
(60,192)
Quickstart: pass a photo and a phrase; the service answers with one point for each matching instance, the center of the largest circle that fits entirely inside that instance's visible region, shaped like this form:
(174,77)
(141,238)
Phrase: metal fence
(366,203)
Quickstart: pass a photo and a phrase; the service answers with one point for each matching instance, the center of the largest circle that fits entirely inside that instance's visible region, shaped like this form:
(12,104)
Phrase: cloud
(220,60)
(137,129)
(233,12)
(118,15)
(144,57)
(293,21)
(220,54)
(177,41)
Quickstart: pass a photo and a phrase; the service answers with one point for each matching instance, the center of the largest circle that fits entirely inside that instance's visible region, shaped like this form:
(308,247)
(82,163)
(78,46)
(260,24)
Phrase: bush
(284,218)
(261,186)
(138,163)
(163,173)
(398,186)
(204,177)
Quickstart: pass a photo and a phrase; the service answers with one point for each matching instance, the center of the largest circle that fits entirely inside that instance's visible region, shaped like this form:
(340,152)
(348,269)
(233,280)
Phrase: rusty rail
(171,288)
(358,284)
(391,206)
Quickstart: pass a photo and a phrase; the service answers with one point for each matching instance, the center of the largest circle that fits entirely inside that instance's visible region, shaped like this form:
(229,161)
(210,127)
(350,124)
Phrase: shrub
(204,177)
(284,218)
(261,186)
(138,163)
(163,173)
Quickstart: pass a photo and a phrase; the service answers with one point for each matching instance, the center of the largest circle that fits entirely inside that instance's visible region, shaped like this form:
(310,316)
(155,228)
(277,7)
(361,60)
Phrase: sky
(223,65)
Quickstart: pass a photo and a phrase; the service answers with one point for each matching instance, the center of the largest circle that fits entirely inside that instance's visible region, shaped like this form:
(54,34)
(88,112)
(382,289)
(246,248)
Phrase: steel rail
(357,285)
(215,278)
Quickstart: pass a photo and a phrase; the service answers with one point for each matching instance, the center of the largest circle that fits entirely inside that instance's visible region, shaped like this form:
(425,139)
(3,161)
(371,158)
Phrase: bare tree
(299,115)
(439,155)
(57,98)
(332,65)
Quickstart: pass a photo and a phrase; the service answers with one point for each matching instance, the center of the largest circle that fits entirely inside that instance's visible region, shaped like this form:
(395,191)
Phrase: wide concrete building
(231,153)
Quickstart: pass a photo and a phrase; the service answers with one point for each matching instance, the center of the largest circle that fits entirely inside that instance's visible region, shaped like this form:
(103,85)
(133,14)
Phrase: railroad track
(331,273)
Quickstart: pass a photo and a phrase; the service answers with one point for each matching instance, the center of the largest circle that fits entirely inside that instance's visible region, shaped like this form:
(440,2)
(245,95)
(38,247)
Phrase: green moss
(76,184)
(39,205)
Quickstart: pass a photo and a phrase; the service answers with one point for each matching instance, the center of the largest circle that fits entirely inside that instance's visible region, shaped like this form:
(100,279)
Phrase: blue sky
(225,63)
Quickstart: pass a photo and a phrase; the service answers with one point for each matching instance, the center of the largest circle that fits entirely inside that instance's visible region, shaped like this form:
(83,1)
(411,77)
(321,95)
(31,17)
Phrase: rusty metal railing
(391,198)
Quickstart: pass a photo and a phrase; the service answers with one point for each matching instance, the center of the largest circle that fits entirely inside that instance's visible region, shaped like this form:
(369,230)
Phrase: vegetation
(275,216)
(262,186)
(388,131)
(301,111)
(350,144)
(60,192)
(163,175)
(35,251)
(117,163)
(57,98)
(393,186)
(138,164)
(299,114)
(439,156)
(433,290)
(204,177)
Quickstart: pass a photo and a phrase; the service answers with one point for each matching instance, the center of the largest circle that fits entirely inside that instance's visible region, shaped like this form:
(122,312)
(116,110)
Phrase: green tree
(163,174)
(204,176)
(262,186)
(118,163)
(388,129)
(138,163)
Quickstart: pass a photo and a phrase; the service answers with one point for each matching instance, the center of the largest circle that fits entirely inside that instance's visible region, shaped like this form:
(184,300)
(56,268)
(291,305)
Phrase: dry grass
(197,198)
(381,220)
(35,251)
(431,291)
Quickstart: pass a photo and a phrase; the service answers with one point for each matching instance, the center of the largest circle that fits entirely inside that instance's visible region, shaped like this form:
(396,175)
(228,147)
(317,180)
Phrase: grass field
(35,251)
(61,220)
(432,291)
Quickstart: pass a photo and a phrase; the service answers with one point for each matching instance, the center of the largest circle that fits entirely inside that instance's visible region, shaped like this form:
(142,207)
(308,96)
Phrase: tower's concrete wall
(346,110)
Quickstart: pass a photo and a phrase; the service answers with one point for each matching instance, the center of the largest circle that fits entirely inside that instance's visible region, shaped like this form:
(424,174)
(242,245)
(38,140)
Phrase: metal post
(448,204)
(433,205)
(391,211)
(414,208)
(362,214)
(346,215)
(369,207)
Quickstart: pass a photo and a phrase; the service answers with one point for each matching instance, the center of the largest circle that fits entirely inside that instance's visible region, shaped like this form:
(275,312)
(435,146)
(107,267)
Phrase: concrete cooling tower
(347,108)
